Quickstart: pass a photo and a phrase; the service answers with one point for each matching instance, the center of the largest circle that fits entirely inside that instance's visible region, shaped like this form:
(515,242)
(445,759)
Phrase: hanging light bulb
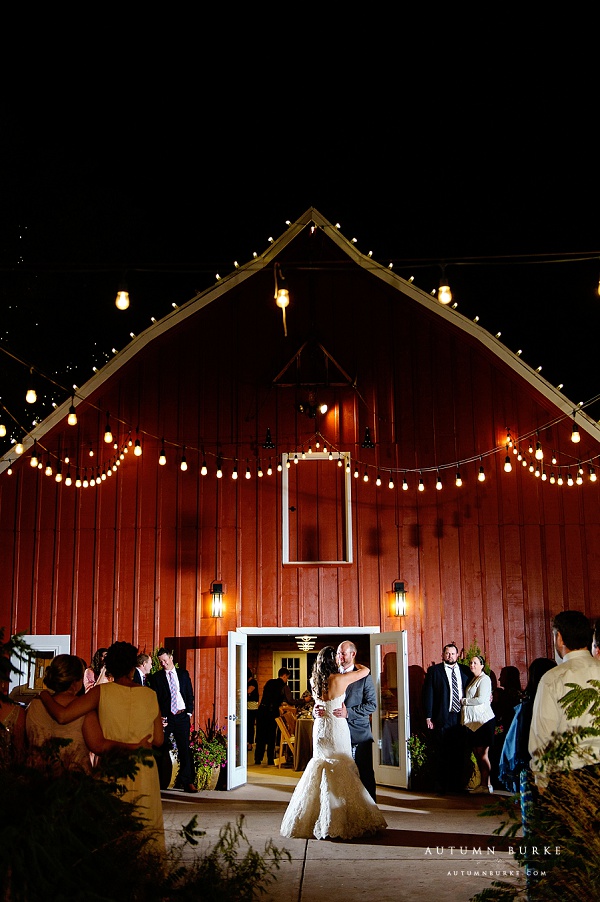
(507,463)
(203,468)
(378,480)
(593,476)
(162,459)
(552,478)
(438,482)
(31,395)
(72,415)
(248,473)
(282,294)
(404,485)
(2,430)
(539,453)
(183,465)
(19,448)
(234,475)
(560,480)
(421,486)
(366,476)
(34,457)
(575,437)
(269,469)
(444,293)
(579,479)
(569,479)
(391,482)
(458,479)
(68,480)
(48,470)
(137,448)
(108,437)
(259,472)
(219,469)
(279,466)
(481,474)
(356,472)
(122,298)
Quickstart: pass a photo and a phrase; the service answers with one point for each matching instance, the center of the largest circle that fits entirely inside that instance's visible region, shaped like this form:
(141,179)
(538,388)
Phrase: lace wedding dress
(329,799)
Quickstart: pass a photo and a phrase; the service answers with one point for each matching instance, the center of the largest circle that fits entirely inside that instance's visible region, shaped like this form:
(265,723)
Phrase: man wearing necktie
(143,668)
(173,687)
(444,687)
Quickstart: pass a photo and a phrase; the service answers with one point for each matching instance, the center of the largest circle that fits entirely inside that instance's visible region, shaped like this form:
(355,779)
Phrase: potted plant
(209,752)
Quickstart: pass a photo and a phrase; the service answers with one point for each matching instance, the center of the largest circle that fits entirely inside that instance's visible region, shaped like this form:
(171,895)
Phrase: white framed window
(316,508)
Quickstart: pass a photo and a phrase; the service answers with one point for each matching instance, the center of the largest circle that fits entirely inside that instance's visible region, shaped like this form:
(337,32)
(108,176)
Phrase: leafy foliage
(71,838)
(560,848)
(465,657)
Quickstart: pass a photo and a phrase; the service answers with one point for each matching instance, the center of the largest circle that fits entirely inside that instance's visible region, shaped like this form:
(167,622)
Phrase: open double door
(390,722)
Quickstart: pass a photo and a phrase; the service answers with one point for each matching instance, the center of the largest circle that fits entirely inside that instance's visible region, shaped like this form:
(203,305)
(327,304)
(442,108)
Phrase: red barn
(331,508)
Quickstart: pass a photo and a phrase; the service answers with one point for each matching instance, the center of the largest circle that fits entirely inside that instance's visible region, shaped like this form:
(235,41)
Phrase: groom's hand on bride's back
(341,712)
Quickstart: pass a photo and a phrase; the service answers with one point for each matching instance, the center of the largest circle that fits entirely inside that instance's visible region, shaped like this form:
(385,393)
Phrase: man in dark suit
(275,694)
(173,687)
(444,687)
(142,670)
(359,704)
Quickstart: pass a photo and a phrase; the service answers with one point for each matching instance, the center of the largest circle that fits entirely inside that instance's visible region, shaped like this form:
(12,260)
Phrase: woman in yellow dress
(127,712)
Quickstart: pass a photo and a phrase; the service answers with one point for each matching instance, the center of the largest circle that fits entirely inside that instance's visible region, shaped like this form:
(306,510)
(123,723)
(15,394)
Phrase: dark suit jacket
(273,696)
(360,701)
(160,683)
(137,677)
(436,693)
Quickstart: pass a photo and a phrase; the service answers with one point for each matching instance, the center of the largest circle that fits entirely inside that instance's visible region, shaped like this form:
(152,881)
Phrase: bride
(329,799)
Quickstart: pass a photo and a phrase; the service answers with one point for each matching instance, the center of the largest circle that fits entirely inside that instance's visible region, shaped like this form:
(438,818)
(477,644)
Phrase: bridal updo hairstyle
(325,665)
(62,671)
(121,659)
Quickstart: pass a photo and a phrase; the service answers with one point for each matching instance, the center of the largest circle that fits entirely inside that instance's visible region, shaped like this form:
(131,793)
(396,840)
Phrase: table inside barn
(303,742)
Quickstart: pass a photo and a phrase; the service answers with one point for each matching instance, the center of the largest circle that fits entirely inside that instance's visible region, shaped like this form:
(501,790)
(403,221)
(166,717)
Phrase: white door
(237,680)
(391,721)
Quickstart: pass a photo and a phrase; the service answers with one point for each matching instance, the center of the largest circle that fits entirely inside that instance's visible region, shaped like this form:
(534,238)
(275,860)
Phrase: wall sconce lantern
(216,594)
(398,599)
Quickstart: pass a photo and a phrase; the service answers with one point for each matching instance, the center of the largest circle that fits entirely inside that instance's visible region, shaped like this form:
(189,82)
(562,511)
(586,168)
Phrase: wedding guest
(92,673)
(64,677)
(443,690)
(173,686)
(478,717)
(134,721)
(143,668)
(253,698)
(12,720)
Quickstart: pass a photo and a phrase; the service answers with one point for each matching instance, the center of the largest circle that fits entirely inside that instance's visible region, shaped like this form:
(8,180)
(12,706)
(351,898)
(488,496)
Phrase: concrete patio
(435,848)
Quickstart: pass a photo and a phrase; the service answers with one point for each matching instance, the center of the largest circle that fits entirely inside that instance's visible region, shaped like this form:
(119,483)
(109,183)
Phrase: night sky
(167,201)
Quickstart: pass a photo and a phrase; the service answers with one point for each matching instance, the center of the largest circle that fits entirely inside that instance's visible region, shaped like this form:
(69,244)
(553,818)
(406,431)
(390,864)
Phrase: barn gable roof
(312,220)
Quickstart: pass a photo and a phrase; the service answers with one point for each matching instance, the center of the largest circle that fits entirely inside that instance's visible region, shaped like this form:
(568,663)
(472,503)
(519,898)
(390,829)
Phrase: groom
(359,704)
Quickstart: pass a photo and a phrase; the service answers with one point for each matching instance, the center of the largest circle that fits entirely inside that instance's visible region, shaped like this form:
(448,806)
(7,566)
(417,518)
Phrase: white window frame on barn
(344,513)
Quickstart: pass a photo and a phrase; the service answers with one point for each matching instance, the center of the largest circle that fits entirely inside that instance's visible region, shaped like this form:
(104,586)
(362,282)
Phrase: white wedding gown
(329,799)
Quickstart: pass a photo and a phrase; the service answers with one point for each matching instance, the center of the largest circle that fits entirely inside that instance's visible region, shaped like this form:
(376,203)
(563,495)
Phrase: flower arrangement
(209,751)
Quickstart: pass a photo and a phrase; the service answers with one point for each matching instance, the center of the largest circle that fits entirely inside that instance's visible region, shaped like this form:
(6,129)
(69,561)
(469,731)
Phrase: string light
(575,437)
(72,416)
(108,437)
(458,479)
(438,482)
(162,459)
(481,474)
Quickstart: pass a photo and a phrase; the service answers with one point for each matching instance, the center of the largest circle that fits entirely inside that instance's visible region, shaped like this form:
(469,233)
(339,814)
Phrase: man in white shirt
(572,641)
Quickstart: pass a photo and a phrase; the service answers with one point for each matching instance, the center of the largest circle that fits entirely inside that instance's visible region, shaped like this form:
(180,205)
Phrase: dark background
(164,167)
